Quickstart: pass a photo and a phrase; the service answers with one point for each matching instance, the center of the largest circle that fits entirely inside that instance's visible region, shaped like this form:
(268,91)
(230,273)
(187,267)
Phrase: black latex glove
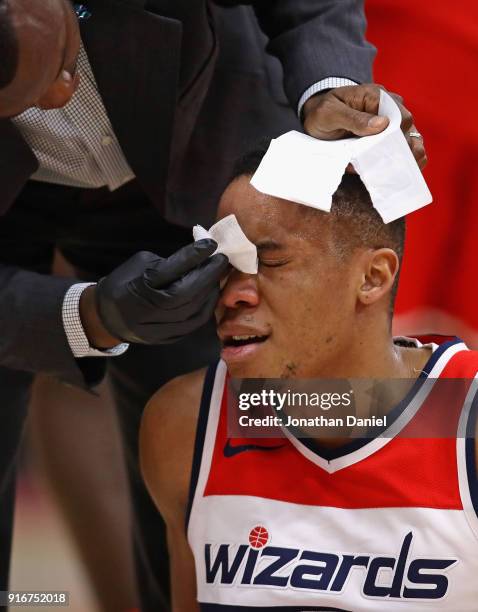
(152,300)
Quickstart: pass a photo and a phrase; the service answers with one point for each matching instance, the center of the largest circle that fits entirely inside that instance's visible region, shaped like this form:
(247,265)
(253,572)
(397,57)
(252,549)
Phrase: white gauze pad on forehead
(308,171)
(232,242)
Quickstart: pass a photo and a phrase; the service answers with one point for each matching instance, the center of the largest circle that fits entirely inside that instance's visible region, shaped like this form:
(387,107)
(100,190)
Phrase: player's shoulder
(177,400)
(170,417)
(167,435)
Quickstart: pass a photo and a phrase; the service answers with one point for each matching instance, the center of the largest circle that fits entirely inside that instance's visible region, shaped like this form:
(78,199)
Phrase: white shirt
(76,145)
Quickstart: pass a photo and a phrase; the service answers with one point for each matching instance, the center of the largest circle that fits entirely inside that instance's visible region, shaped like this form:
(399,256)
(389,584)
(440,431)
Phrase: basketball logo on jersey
(280,567)
(258,537)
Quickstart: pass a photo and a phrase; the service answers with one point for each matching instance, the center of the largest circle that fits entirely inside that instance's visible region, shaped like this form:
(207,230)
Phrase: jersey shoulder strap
(463,364)
(213,385)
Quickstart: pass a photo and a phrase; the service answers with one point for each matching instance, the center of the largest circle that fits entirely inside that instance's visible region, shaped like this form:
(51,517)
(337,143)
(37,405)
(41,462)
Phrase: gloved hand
(152,300)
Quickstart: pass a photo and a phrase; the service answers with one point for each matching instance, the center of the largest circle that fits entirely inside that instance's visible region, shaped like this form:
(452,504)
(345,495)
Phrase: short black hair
(9,53)
(354,220)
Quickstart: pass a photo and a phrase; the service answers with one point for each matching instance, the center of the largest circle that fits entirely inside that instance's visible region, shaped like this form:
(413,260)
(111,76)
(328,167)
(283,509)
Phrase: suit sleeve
(32,337)
(316,39)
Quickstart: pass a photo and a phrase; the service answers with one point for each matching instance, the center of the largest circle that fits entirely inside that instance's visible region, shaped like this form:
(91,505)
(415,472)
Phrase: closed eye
(273,263)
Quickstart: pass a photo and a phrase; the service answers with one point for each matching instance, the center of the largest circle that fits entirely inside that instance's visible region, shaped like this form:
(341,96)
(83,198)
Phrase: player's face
(294,317)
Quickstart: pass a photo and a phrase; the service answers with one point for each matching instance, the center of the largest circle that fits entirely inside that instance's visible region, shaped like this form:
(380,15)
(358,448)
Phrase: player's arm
(167,436)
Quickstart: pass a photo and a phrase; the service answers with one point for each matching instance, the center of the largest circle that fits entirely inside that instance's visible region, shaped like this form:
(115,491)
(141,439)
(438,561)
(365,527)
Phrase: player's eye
(273,263)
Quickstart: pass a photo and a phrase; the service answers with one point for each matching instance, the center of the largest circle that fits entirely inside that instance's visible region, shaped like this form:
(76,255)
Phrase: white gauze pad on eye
(308,171)
(232,242)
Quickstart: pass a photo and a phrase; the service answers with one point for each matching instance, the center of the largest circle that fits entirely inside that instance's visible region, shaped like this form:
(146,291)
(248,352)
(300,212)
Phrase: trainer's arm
(167,436)
(32,335)
(314,40)
(317,39)
(148,300)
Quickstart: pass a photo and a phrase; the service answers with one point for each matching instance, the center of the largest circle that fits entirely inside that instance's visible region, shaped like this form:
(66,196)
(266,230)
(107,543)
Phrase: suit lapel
(135,57)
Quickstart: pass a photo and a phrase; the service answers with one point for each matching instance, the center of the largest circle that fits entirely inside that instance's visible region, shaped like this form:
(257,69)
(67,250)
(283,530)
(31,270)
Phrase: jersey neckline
(334,459)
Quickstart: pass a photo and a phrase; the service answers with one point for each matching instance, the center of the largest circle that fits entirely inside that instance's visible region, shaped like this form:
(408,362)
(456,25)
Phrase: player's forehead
(263,217)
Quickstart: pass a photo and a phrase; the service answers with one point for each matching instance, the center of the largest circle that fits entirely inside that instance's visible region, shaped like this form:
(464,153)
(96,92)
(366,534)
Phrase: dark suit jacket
(188,87)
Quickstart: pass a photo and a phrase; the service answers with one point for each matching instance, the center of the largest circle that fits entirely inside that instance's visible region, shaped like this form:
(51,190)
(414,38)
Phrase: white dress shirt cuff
(328,83)
(75,333)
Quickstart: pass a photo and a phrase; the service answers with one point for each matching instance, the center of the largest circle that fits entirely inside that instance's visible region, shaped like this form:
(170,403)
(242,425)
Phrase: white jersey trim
(463,480)
(209,440)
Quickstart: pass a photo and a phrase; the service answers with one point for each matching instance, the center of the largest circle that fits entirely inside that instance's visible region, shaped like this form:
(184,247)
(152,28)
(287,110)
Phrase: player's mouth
(237,347)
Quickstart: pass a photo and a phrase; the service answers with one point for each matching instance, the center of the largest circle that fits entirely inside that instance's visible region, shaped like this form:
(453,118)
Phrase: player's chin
(251,368)
(242,369)
(254,368)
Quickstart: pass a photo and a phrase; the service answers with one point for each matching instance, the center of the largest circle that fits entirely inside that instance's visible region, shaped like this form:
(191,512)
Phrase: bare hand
(353,110)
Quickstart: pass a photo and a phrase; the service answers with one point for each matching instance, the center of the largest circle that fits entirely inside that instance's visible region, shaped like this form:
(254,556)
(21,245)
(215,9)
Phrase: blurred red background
(428,52)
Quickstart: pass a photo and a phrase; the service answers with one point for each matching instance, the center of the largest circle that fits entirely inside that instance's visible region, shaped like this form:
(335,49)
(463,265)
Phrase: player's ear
(379,268)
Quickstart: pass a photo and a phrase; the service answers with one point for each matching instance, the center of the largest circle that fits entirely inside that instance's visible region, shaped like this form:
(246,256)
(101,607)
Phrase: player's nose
(240,290)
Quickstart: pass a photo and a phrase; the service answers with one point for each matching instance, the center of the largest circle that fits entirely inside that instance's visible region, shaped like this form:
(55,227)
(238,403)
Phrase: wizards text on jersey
(384,577)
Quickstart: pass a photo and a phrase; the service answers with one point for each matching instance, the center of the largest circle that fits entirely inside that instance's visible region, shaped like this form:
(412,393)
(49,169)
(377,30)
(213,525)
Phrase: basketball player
(378,524)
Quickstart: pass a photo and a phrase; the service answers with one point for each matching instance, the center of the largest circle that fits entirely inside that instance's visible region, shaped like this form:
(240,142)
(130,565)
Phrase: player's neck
(370,352)
(380,378)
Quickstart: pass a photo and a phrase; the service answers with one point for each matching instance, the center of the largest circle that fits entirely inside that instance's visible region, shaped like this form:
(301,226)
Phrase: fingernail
(206,244)
(375,122)
(66,76)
